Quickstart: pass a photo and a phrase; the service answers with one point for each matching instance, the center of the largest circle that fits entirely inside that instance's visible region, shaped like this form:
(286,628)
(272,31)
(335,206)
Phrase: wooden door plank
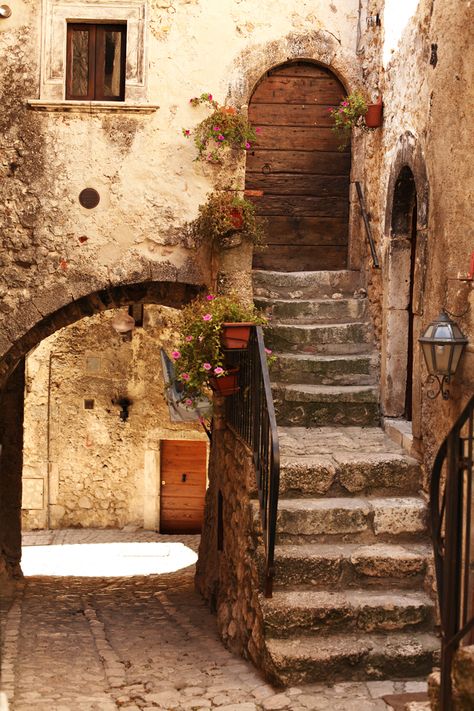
(298,90)
(302,206)
(284,229)
(297,138)
(283,258)
(294,184)
(290,115)
(182,503)
(315,162)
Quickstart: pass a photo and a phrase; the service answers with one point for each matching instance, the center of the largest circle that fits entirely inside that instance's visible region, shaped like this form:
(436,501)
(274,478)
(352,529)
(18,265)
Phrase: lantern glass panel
(429,357)
(442,357)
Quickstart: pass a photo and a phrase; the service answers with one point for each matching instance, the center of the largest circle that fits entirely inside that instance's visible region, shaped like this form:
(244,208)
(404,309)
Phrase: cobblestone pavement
(143,642)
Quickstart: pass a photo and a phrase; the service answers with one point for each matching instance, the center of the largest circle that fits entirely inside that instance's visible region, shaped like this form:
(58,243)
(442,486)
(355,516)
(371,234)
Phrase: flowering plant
(199,355)
(349,113)
(224,128)
(225,212)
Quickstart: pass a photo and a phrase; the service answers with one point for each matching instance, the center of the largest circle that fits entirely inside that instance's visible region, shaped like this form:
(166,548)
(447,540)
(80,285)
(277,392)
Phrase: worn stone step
(355,657)
(332,338)
(322,612)
(340,310)
(305,285)
(343,565)
(316,405)
(358,369)
(376,519)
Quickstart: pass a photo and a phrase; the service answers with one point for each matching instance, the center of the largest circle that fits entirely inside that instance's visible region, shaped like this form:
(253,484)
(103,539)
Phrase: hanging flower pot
(373,117)
(237,218)
(227,384)
(235,335)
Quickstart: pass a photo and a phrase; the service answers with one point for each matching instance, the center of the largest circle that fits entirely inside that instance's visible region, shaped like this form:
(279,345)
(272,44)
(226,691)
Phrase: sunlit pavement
(135,635)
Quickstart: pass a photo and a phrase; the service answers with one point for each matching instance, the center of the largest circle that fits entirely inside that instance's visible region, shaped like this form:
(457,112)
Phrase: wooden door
(296,163)
(183,486)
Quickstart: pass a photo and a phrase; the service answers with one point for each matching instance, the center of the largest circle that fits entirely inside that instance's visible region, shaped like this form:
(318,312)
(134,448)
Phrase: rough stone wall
(228,578)
(87,467)
(11,431)
(428,86)
(463,682)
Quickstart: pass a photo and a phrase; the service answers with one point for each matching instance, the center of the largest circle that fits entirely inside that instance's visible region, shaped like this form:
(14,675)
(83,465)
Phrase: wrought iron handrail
(452,514)
(251,414)
(368,230)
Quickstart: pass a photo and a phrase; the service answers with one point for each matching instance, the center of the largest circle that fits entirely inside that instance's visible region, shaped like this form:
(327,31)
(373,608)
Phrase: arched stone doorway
(405,264)
(12,399)
(297,164)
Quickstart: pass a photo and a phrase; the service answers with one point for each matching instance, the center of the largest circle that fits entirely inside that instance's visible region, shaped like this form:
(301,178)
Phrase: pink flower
(258,130)
(206,366)
(218,370)
(185,376)
(247,146)
(207,317)
(216,128)
(330,109)
(210,97)
(186,131)
(220,137)
(345,103)
(268,351)
(188,402)
(175,354)
(341,111)
(189,339)
(210,297)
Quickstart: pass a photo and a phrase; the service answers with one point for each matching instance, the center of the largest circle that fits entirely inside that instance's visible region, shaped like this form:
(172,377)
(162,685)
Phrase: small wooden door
(297,164)
(183,486)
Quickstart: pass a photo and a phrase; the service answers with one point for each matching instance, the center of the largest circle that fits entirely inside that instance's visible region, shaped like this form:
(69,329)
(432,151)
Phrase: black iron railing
(365,217)
(251,413)
(452,518)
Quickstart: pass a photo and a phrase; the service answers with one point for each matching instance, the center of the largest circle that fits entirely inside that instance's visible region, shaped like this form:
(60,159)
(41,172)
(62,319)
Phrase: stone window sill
(91,107)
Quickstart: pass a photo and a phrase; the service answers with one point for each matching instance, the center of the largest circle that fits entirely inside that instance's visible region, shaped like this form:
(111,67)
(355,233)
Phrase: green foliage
(225,212)
(348,114)
(199,355)
(224,128)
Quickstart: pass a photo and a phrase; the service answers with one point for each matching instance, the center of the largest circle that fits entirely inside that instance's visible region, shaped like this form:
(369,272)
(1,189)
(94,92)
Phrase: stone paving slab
(141,643)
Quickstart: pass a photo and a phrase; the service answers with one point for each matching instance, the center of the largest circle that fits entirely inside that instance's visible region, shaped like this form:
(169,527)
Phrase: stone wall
(463,682)
(84,465)
(227,573)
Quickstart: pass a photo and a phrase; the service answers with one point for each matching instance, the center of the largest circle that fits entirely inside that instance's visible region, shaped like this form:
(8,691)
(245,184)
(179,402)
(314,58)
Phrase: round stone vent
(89,198)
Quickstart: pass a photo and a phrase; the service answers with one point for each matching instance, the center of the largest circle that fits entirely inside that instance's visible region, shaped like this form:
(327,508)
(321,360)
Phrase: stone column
(234,270)
(11,465)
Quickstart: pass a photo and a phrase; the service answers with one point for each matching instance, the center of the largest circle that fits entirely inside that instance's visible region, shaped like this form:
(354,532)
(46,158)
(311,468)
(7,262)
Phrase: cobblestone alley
(139,642)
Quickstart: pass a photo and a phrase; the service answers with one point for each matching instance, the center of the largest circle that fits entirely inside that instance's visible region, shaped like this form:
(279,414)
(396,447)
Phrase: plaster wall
(134,155)
(87,467)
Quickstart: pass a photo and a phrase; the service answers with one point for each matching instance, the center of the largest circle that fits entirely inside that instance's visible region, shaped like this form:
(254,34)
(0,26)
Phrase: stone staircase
(352,548)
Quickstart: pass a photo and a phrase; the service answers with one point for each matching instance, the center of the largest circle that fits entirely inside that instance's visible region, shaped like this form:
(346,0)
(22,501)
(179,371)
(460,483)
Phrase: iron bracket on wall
(365,217)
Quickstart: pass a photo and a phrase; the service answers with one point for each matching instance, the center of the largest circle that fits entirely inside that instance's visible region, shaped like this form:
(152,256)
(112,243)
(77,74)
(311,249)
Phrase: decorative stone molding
(91,107)
(56,14)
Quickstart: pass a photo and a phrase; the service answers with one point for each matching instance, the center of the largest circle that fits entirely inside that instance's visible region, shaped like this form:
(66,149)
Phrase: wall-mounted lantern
(442,344)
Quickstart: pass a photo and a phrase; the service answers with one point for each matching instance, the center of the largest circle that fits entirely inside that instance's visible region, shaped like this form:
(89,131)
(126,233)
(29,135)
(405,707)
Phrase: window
(95,64)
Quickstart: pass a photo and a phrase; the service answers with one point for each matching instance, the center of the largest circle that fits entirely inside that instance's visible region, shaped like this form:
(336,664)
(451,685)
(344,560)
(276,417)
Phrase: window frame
(96,46)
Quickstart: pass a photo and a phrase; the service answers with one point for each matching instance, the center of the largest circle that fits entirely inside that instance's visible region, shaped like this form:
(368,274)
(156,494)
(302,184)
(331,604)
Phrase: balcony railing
(251,414)
(452,518)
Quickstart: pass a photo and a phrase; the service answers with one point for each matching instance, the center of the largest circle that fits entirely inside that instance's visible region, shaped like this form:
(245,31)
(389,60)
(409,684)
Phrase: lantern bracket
(442,387)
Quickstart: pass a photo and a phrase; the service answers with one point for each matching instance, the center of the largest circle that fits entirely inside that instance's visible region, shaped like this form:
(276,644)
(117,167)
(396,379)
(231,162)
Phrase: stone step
(368,520)
(290,613)
(305,285)
(350,657)
(313,310)
(319,405)
(340,566)
(325,369)
(329,338)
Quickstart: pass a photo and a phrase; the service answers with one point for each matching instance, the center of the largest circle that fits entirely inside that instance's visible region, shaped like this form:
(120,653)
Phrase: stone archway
(405,264)
(11,403)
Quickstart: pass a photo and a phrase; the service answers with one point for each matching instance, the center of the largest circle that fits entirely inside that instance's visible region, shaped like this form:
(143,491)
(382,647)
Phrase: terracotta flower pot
(373,117)
(235,335)
(227,384)
(229,110)
(237,218)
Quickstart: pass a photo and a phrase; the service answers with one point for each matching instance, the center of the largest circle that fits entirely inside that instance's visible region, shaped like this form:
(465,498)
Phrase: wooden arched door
(297,164)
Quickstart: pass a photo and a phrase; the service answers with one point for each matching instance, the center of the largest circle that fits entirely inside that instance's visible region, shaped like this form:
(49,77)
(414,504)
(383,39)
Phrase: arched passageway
(12,402)
(297,164)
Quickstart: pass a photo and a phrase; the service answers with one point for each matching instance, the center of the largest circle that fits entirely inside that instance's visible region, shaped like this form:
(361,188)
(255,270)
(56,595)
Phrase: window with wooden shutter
(95,61)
